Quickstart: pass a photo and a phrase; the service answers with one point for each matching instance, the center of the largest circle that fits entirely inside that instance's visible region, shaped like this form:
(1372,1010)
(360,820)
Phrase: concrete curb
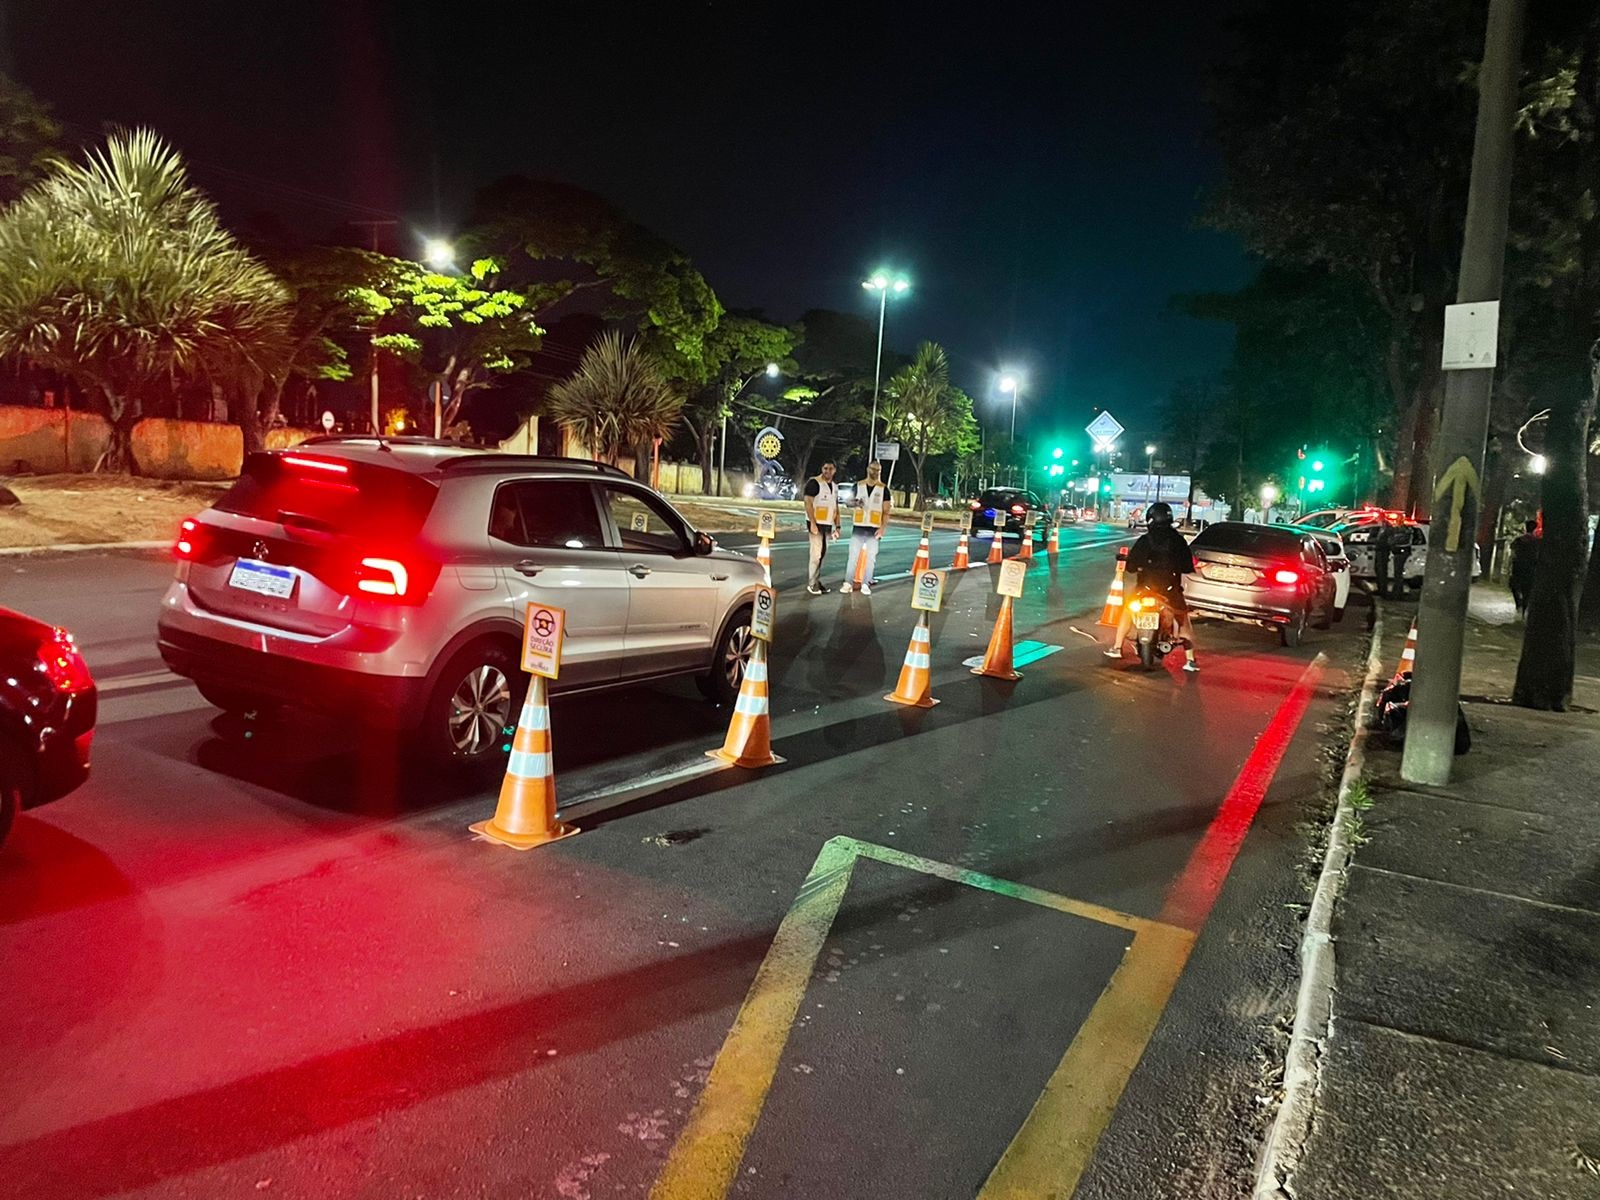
(80,548)
(1286,1139)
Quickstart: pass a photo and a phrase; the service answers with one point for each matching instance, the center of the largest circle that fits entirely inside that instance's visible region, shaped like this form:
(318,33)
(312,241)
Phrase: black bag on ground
(1394,702)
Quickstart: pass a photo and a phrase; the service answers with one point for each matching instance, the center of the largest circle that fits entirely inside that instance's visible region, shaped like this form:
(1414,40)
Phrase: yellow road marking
(1049,1153)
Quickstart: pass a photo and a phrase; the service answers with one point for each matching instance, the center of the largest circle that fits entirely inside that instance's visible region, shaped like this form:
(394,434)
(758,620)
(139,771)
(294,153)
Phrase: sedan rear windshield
(331,495)
(1236,538)
(998,496)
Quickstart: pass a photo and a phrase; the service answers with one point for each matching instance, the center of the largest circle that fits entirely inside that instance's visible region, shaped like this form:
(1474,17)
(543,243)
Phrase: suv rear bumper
(389,701)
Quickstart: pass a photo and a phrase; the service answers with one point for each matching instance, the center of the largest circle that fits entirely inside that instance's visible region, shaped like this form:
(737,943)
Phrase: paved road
(919,959)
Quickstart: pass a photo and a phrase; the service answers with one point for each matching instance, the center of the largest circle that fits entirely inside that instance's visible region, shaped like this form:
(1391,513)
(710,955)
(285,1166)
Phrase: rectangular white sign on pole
(1471,335)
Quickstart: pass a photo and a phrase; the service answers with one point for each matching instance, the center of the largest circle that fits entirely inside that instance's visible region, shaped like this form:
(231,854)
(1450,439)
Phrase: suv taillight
(63,666)
(190,539)
(402,581)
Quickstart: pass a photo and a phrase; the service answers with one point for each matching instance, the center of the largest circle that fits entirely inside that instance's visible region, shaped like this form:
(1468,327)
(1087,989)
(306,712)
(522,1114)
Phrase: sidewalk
(1463,1056)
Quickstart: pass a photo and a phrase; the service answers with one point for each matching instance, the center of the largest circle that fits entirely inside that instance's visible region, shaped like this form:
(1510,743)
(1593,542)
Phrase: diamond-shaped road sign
(1105,428)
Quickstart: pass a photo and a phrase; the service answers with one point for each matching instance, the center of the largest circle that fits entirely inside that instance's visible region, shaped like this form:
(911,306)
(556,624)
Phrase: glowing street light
(882,283)
(1269,494)
(438,254)
(772,370)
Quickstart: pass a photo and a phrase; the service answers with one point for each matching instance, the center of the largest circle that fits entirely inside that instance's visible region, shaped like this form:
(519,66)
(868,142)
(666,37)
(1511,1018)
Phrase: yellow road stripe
(1051,1150)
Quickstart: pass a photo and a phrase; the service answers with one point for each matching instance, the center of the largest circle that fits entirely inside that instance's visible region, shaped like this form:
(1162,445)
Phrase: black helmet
(1160,513)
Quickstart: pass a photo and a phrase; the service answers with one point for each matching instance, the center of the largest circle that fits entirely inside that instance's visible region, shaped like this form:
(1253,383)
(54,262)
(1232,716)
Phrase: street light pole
(880,283)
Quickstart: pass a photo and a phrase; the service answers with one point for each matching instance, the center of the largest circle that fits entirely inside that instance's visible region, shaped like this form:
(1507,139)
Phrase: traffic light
(1057,452)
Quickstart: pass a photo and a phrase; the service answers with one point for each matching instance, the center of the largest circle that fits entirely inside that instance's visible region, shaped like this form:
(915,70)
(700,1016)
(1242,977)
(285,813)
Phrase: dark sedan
(47,714)
(1007,509)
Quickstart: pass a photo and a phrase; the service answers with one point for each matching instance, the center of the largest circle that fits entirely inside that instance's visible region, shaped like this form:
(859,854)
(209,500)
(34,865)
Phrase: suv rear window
(342,497)
(1234,537)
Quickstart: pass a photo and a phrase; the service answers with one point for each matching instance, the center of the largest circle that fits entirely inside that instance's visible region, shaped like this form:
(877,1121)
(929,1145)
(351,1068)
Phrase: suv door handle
(720,578)
(638,570)
(528,567)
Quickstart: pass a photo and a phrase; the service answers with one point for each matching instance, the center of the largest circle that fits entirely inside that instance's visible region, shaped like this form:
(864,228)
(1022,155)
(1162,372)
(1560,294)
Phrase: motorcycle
(1155,627)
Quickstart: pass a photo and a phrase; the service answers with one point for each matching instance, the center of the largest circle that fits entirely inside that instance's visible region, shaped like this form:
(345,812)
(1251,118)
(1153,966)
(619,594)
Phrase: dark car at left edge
(48,706)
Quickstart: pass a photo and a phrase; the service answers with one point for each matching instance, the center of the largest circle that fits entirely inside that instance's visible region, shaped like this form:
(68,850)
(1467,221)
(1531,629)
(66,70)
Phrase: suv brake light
(63,666)
(316,464)
(391,579)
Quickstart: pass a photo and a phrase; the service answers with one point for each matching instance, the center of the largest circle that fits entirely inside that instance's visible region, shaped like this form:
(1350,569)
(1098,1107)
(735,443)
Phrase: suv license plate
(262,579)
(1147,620)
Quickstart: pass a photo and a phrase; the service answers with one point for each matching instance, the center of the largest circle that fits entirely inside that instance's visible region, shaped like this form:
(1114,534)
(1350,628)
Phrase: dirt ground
(76,509)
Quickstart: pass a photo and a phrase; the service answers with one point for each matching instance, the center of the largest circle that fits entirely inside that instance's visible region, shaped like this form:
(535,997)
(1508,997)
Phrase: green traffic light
(1317,465)
(1057,452)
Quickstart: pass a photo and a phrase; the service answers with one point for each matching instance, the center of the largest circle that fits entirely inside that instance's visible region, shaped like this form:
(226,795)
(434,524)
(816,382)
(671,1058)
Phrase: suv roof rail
(532,460)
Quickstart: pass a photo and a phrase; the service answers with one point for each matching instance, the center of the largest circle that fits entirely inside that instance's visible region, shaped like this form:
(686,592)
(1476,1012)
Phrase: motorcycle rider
(1158,561)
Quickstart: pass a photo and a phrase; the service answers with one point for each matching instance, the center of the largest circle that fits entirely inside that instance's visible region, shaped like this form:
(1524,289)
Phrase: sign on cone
(525,816)
(916,683)
(961,562)
(749,740)
(1112,612)
(1408,656)
(997,658)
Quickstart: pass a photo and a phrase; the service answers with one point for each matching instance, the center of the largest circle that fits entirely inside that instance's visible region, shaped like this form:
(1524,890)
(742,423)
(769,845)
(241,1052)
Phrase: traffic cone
(961,562)
(997,548)
(1026,552)
(997,658)
(525,816)
(921,562)
(764,557)
(1112,612)
(1408,656)
(861,568)
(916,684)
(1054,548)
(749,740)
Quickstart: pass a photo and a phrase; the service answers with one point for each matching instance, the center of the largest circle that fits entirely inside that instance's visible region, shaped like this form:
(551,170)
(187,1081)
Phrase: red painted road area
(274,967)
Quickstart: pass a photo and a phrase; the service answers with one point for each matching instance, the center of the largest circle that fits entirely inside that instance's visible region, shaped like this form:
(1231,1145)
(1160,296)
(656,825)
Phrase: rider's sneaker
(1192,667)
(844,589)
(814,590)
(1114,652)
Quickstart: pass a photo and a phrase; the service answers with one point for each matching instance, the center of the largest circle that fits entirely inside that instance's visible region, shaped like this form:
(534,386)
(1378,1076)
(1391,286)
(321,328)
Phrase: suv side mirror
(704,544)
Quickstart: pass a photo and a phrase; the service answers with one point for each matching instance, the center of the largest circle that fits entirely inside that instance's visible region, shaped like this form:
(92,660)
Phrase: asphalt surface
(271,960)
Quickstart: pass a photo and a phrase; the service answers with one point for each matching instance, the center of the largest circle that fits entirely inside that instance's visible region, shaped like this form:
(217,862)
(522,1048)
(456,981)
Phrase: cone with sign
(962,562)
(915,686)
(997,548)
(749,740)
(764,557)
(1408,656)
(921,562)
(1112,612)
(525,816)
(997,658)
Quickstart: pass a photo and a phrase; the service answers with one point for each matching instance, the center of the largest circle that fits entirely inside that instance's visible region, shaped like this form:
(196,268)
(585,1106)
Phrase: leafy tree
(460,330)
(736,353)
(1346,134)
(1186,425)
(29,139)
(116,272)
(618,400)
(926,412)
(569,240)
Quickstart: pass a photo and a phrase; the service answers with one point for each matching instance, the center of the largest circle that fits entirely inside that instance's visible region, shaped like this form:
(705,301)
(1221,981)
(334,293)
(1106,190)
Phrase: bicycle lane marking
(1056,1141)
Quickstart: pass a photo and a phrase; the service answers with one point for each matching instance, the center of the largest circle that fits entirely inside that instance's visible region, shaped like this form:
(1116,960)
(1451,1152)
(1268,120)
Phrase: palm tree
(117,273)
(925,410)
(618,400)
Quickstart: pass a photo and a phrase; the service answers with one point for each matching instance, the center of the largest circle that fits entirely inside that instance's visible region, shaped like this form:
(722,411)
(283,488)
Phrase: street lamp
(882,283)
(772,371)
(1269,494)
(438,254)
(1150,470)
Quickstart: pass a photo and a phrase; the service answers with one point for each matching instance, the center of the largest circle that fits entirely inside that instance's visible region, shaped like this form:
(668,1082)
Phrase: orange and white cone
(1408,656)
(1055,537)
(1027,544)
(1112,612)
(764,557)
(749,740)
(962,562)
(525,816)
(997,658)
(997,548)
(916,683)
(921,562)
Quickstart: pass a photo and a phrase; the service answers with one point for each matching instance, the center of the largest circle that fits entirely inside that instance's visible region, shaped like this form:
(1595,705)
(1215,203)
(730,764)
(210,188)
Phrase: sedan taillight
(63,666)
(1286,576)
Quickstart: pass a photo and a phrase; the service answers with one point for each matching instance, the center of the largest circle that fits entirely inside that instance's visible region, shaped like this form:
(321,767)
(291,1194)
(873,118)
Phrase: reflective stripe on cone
(1112,612)
(1408,656)
(961,562)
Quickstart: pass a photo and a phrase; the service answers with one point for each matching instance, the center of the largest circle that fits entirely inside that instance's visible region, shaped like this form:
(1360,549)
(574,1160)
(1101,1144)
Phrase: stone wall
(34,441)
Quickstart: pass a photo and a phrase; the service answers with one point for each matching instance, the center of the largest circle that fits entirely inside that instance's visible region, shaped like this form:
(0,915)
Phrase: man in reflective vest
(822,521)
(871,519)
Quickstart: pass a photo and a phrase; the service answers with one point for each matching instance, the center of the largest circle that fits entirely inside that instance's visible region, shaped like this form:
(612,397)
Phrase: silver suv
(386,581)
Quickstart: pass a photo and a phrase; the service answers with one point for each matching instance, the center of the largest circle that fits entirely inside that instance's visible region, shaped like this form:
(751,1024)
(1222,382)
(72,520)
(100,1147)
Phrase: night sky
(1035,169)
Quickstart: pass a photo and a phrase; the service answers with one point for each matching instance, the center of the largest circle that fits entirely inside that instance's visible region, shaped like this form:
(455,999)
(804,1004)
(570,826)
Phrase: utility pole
(377,421)
(1458,449)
